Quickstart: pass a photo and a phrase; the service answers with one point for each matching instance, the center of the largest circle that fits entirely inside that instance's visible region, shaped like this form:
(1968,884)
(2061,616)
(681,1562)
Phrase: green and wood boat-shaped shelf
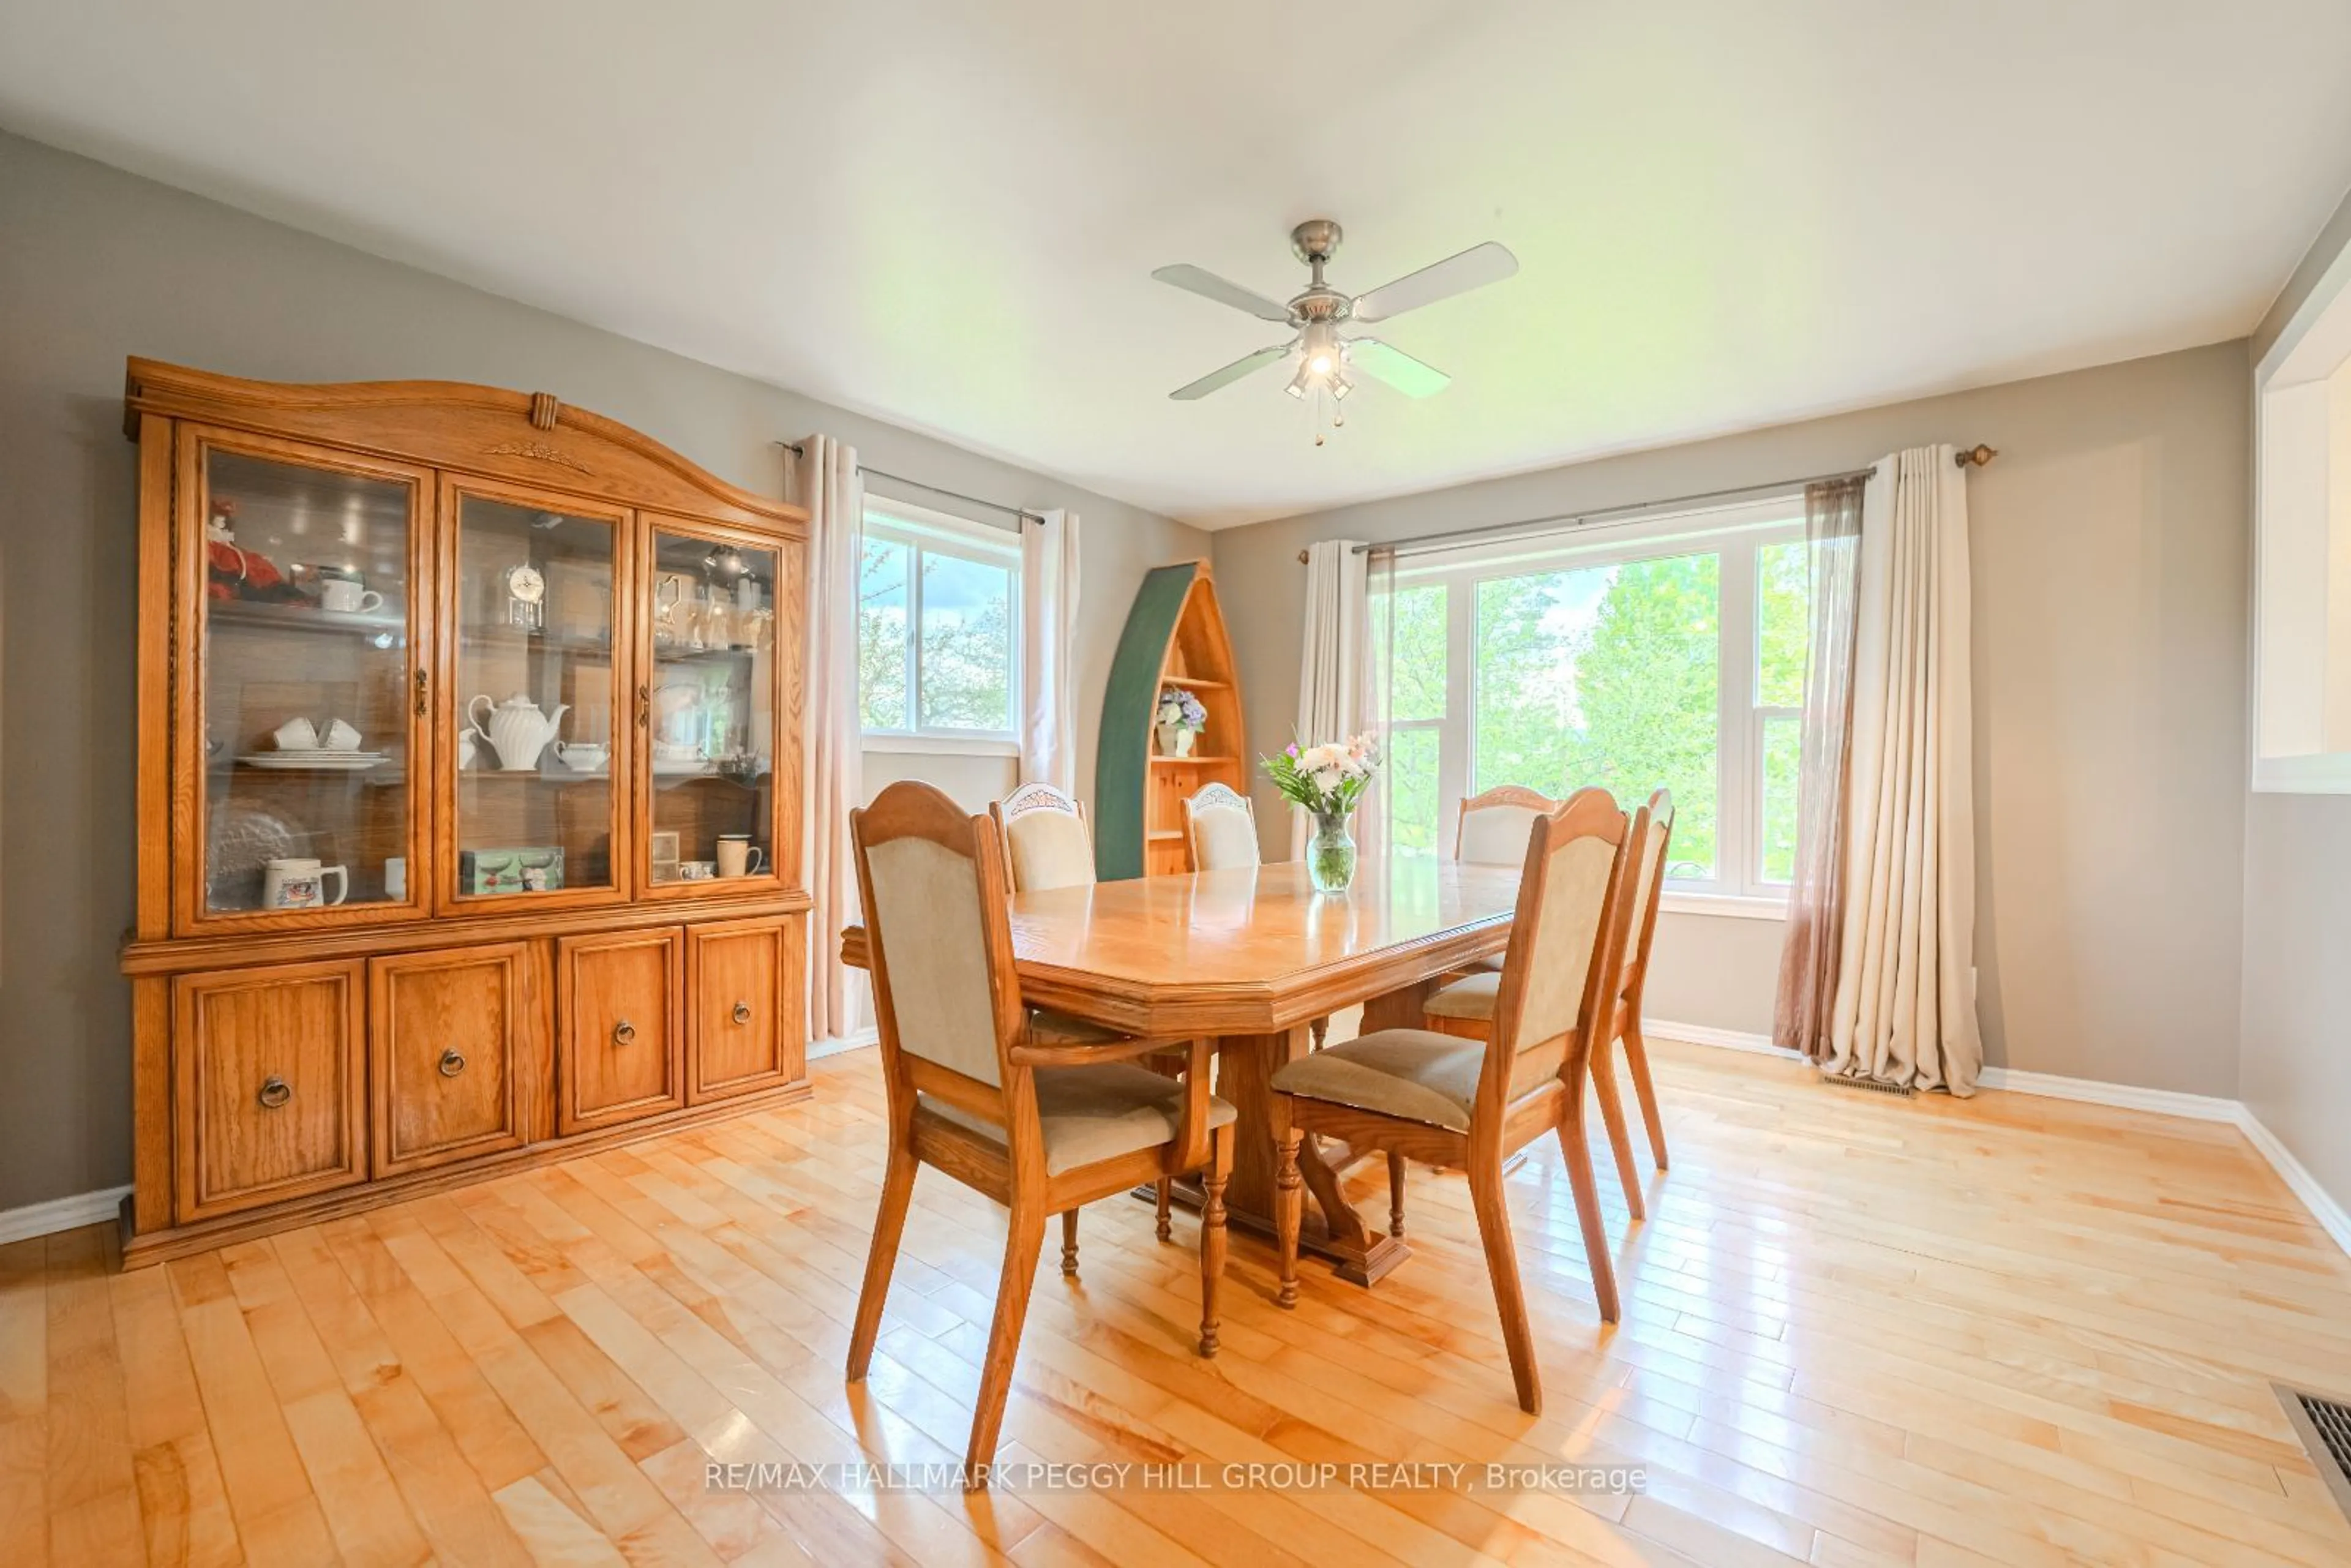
(1175,637)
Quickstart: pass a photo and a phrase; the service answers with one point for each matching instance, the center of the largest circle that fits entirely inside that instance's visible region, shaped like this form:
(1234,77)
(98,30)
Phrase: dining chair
(1649,893)
(1041,1127)
(1046,841)
(1467,1007)
(1220,829)
(1492,827)
(1047,844)
(1470,1105)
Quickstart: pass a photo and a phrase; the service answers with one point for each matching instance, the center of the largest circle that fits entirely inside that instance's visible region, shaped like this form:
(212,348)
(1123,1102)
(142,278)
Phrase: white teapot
(515,728)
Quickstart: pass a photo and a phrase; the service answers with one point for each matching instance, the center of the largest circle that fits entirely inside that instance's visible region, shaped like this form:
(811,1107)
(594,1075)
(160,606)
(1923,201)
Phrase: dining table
(1252,957)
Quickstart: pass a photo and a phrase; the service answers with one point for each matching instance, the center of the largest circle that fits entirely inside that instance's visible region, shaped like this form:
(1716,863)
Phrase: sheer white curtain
(824,480)
(1335,695)
(1048,641)
(1904,1010)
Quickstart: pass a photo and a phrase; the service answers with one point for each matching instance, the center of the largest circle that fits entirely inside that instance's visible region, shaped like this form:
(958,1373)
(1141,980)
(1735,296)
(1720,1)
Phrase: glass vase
(1331,855)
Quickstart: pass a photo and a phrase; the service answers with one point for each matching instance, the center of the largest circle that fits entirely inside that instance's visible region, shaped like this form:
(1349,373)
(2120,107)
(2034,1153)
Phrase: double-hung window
(1665,653)
(939,617)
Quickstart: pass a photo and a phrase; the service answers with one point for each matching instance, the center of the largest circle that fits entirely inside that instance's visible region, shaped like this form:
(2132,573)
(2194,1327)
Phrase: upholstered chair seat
(1049,1027)
(1098,1113)
(1471,996)
(1407,1073)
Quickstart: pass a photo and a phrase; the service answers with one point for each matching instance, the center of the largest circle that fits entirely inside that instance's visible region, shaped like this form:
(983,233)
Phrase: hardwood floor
(1857,1331)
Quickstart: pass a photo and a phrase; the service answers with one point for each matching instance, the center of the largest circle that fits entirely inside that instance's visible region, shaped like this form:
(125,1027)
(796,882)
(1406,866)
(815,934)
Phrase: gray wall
(2109,554)
(2296,1028)
(96,264)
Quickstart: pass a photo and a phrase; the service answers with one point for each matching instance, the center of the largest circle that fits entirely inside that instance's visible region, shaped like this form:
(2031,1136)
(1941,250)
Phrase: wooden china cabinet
(468,795)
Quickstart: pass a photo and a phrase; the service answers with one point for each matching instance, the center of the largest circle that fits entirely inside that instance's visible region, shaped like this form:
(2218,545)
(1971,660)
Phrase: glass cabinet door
(307,626)
(710,751)
(539,699)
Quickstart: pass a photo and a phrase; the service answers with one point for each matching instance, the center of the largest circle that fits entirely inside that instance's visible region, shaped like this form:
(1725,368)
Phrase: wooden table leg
(1245,1066)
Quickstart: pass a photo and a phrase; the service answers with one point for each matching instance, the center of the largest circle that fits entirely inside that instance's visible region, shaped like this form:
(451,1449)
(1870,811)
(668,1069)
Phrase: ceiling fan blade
(1396,368)
(1209,286)
(1473,269)
(1230,373)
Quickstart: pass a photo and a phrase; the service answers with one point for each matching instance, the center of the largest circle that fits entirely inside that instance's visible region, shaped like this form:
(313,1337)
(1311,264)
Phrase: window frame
(1734,535)
(924,531)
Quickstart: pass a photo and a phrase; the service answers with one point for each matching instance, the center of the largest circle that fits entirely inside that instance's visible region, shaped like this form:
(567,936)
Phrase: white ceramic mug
(739,856)
(395,878)
(346,596)
(583,756)
(301,883)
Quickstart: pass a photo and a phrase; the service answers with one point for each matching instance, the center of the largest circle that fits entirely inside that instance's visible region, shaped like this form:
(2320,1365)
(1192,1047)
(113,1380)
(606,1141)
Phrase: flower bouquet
(1327,780)
(1179,718)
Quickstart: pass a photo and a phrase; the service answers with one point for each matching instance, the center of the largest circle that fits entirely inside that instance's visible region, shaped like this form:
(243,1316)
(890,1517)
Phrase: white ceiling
(1726,213)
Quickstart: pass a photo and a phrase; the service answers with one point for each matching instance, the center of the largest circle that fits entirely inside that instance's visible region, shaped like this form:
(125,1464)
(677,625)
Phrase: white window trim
(942,533)
(1735,534)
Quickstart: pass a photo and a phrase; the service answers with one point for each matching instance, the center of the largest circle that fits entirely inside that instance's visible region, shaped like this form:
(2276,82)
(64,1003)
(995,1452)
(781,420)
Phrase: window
(1668,653)
(938,601)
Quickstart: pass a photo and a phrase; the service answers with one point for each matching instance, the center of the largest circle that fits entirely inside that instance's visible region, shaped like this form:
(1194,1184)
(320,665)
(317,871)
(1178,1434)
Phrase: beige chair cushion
(1049,1027)
(1223,837)
(1050,849)
(1094,1113)
(1497,835)
(1472,996)
(927,908)
(1407,1073)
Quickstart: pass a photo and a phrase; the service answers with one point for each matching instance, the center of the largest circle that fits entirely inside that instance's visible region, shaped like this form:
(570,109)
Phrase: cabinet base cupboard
(468,793)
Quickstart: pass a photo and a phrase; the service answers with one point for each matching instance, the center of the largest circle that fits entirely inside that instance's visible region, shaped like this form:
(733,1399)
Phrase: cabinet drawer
(446,1033)
(746,1016)
(267,1098)
(620,1033)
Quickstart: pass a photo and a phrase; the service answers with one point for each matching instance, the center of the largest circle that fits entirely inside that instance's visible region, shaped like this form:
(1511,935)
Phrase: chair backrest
(948,1001)
(1220,826)
(1045,843)
(1558,972)
(1493,826)
(1653,832)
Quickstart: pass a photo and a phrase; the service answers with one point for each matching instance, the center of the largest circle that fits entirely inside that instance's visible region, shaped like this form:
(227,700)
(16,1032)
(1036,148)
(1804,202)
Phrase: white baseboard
(60,1214)
(1726,1038)
(2324,1208)
(2124,1096)
(819,1050)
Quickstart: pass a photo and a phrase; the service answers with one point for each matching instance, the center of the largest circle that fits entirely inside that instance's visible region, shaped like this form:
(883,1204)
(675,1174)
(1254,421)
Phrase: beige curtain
(1904,1005)
(1808,962)
(1048,644)
(824,479)
(1335,699)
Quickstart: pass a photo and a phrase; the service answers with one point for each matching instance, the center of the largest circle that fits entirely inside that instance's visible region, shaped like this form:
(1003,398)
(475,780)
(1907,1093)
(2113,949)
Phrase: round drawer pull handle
(623,1032)
(742,1012)
(453,1062)
(275,1092)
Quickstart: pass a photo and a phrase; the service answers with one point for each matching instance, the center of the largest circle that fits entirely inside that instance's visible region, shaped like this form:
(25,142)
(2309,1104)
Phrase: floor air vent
(1874,1085)
(2323,1425)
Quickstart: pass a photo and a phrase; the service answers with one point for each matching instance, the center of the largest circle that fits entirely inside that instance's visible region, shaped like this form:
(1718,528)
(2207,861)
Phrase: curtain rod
(1021,513)
(1977,455)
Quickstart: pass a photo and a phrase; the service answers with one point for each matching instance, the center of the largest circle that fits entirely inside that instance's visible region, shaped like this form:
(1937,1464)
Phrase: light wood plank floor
(1857,1331)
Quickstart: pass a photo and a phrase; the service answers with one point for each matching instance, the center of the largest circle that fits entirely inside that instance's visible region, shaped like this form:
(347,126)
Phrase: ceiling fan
(1325,354)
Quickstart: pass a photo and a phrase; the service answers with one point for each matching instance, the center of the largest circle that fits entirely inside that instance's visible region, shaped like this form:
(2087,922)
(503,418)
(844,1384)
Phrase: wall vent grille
(2323,1425)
